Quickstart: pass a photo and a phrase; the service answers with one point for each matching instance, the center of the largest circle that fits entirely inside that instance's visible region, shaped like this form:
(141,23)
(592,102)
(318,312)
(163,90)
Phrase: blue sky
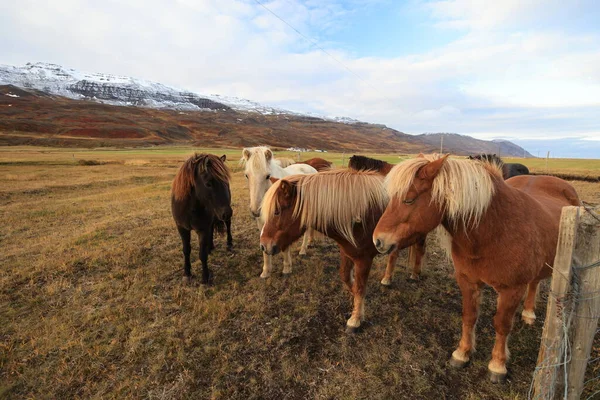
(524,70)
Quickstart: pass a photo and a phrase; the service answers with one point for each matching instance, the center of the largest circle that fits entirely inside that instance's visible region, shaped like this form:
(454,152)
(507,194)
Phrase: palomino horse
(259,168)
(501,233)
(201,201)
(416,252)
(508,169)
(341,204)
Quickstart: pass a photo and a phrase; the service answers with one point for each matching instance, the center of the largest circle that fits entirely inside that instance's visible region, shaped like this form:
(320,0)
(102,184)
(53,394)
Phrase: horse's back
(551,192)
(296,169)
(510,170)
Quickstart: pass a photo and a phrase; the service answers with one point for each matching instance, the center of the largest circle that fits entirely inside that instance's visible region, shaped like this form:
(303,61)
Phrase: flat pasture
(92,304)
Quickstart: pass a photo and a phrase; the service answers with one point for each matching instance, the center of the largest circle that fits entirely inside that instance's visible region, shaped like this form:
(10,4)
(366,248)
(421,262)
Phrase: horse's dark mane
(366,163)
(490,158)
(186,176)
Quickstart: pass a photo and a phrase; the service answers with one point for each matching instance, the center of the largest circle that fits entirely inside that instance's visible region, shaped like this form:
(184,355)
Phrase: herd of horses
(499,225)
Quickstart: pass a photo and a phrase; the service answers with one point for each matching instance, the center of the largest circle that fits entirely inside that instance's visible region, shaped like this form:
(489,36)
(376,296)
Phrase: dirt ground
(92,304)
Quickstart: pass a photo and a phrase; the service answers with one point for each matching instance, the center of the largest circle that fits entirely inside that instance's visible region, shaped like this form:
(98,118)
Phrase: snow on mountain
(120,90)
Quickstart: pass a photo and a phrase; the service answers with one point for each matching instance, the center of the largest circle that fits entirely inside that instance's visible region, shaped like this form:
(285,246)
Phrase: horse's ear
(430,170)
(224,157)
(420,155)
(287,188)
(268,154)
(273,180)
(246,154)
(469,157)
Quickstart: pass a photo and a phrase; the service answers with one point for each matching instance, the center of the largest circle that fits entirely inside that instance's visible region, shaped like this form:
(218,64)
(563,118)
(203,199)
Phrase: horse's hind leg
(306,240)
(528,313)
(229,237)
(205,239)
(508,301)
(416,258)
(389,268)
(471,299)
(187,249)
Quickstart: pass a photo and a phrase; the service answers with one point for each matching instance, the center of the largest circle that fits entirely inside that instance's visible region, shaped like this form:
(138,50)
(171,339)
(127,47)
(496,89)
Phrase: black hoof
(207,279)
(351,330)
(230,247)
(496,377)
(458,364)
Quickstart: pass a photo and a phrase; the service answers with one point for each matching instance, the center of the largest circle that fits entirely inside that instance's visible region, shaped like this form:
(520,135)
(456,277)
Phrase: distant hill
(470,145)
(47,104)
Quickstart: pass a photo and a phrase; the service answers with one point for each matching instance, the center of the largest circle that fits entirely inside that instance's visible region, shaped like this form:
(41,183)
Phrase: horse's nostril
(262,248)
(378,243)
(275,249)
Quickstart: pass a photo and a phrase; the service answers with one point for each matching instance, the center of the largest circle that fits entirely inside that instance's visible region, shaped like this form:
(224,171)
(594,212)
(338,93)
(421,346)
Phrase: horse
(259,167)
(201,201)
(508,169)
(344,205)
(284,162)
(317,163)
(416,253)
(500,233)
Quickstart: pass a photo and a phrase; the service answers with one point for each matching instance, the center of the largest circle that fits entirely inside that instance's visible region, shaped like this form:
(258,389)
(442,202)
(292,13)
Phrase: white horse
(260,167)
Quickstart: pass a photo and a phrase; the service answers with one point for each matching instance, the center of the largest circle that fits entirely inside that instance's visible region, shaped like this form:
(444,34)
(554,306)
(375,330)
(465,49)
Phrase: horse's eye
(268,177)
(408,201)
(208,184)
(246,175)
(277,212)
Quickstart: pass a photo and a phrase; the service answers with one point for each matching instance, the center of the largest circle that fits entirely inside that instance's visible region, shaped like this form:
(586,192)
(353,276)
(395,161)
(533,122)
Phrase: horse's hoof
(230,247)
(265,275)
(351,330)
(285,272)
(413,278)
(496,377)
(387,282)
(458,364)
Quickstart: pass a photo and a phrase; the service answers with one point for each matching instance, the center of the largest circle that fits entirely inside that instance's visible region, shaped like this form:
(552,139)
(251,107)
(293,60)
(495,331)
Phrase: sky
(523,70)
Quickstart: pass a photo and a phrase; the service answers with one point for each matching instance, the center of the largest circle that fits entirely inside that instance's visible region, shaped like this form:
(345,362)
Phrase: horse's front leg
(205,239)
(346,264)
(267,266)
(389,268)
(306,240)
(187,250)
(508,301)
(287,261)
(362,268)
(471,299)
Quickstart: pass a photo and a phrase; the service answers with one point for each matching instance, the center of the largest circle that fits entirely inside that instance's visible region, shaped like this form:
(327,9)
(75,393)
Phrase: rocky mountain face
(43,104)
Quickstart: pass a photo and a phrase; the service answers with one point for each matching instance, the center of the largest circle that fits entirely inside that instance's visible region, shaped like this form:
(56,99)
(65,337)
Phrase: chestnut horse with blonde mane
(416,252)
(500,233)
(344,205)
(201,201)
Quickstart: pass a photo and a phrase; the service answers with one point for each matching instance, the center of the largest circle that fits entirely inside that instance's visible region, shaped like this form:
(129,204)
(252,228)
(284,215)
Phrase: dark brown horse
(416,252)
(508,169)
(201,201)
(341,204)
(317,163)
(500,233)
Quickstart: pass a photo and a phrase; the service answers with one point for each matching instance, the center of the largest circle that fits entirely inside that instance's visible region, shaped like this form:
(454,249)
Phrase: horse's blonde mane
(336,199)
(462,188)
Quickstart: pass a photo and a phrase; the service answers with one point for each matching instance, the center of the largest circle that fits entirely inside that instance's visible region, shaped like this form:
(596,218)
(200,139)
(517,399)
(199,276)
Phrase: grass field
(92,303)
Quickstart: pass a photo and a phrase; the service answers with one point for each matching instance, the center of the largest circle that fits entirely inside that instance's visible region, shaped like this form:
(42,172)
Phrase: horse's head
(411,212)
(211,185)
(282,223)
(257,161)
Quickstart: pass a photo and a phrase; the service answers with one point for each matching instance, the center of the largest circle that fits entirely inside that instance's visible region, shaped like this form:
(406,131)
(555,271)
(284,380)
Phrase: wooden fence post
(587,303)
(550,356)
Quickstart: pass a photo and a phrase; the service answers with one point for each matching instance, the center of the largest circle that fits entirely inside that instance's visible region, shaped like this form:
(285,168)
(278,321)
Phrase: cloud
(515,69)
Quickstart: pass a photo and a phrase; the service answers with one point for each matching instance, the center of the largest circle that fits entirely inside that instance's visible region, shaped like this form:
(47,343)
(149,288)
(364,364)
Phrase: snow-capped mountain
(125,91)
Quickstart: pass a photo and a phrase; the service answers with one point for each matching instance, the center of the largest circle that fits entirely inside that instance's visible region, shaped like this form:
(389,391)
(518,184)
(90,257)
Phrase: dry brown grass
(92,304)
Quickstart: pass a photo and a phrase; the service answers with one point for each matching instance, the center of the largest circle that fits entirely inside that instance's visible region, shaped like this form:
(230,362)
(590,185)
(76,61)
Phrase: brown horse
(344,205)
(501,233)
(416,252)
(201,201)
(317,163)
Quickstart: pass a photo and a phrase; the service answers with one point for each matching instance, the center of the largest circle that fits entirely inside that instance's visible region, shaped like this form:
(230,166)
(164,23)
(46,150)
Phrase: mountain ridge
(59,106)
